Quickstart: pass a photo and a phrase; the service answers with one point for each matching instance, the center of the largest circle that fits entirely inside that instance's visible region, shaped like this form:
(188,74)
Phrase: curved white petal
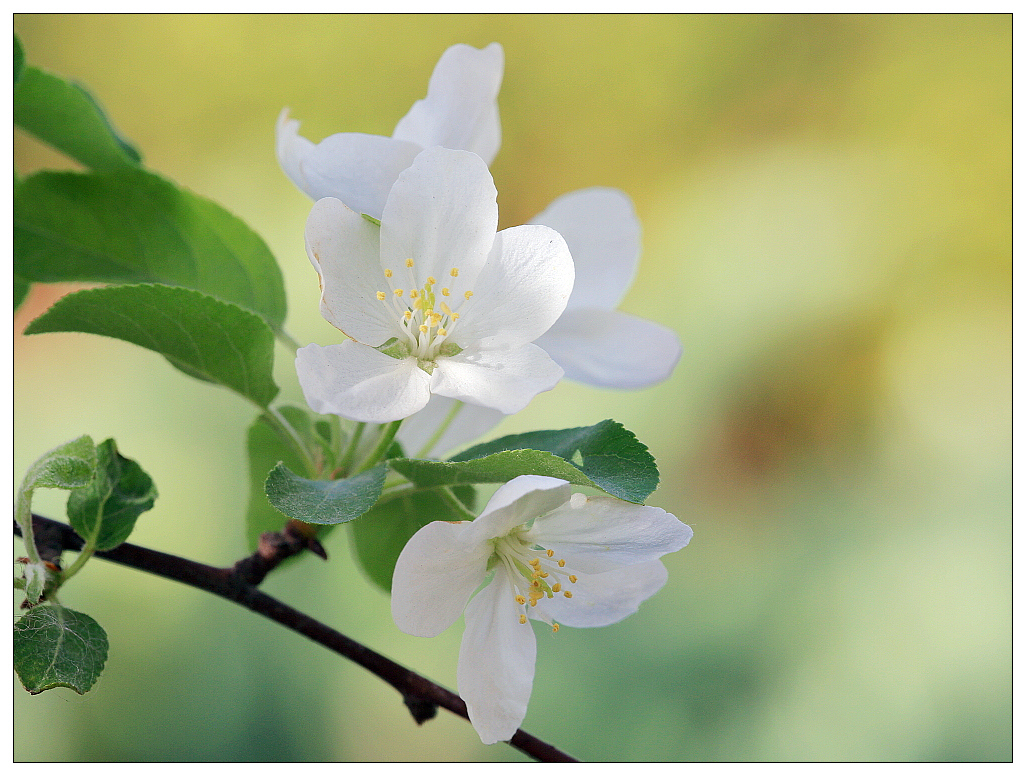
(516,502)
(441,213)
(521,291)
(460,110)
(604,236)
(291,149)
(471,422)
(602,599)
(343,247)
(505,379)
(360,383)
(597,534)
(435,575)
(356,168)
(496,664)
(611,349)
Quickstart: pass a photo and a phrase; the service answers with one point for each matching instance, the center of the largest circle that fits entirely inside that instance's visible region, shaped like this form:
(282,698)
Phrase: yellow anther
(572,578)
(557,587)
(562,563)
(520,600)
(543,574)
(454,272)
(409,262)
(523,619)
(534,602)
(455,316)
(435,318)
(567,594)
(468,294)
(555,627)
(407,316)
(414,294)
(550,553)
(388,273)
(431,281)
(442,332)
(535,583)
(398,292)
(445,309)
(381,296)
(445,292)
(423,329)
(535,562)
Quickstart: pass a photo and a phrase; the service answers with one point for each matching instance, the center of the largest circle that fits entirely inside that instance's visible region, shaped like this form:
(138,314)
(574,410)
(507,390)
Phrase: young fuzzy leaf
(324,502)
(110,505)
(58,647)
(68,466)
(203,336)
(132,226)
(65,116)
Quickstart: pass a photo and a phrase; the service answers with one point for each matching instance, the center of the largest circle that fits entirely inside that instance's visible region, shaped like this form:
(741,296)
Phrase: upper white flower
(434,301)
(552,556)
(459,112)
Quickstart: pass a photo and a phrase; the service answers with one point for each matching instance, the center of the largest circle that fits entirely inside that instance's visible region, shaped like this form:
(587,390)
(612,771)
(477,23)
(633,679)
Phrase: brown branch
(421,695)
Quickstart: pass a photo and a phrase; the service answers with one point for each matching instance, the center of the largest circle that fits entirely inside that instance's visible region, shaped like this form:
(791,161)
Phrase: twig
(421,695)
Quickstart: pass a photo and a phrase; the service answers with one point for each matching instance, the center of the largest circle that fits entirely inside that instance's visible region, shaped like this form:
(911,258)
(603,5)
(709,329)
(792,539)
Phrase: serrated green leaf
(216,340)
(606,453)
(380,535)
(65,116)
(323,502)
(132,226)
(58,647)
(266,448)
(108,508)
(21,289)
(497,467)
(19,60)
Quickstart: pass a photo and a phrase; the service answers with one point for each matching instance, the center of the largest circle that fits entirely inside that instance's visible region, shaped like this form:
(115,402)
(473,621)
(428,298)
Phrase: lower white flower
(552,556)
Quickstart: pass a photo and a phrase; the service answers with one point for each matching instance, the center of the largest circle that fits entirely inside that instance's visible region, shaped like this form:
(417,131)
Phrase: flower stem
(287,340)
(445,492)
(291,437)
(347,459)
(23,516)
(456,407)
(379,451)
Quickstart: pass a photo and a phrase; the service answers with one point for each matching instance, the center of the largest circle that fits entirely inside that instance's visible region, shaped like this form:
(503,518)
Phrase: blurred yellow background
(826,203)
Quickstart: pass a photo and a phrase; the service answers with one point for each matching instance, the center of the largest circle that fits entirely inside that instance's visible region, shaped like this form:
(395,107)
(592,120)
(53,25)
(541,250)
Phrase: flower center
(423,315)
(535,573)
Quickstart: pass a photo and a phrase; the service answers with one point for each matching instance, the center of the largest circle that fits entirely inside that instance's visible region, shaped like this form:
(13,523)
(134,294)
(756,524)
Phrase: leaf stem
(450,498)
(347,458)
(23,515)
(287,340)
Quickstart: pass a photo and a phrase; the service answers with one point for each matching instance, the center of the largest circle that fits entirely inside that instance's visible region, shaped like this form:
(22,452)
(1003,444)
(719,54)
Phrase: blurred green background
(826,203)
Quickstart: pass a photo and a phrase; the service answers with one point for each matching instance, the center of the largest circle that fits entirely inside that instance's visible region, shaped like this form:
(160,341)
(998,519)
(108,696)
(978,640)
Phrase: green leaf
(133,226)
(266,448)
(65,116)
(19,60)
(58,647)
(68,466)
(380,535)
(605,456)
(109,507)
(21,289)
(206,337)
(324,502)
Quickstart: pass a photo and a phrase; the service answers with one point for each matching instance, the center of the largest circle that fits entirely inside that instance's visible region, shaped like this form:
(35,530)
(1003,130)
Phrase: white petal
(505,379)
(441,213)
(611,349)
(360,383)
(604,236)
(496,664)
(602,599)
(343,247)
(516,502)
(435,575)
(460,110)
(597,534)
(471,422)
(356,168)
(292,149)
(521,291)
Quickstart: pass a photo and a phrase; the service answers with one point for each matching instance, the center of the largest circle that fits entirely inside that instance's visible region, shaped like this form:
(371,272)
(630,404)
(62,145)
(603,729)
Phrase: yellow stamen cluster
(536,572)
